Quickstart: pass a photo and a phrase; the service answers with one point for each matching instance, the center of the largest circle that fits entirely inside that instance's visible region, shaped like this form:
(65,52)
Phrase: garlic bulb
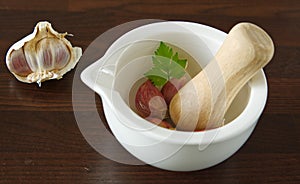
(43,55)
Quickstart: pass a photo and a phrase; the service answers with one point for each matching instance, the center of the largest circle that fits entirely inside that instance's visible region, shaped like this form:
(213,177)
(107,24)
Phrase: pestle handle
(203,101)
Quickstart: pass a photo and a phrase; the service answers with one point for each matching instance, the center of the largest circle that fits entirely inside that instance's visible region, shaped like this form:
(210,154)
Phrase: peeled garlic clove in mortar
(43,55)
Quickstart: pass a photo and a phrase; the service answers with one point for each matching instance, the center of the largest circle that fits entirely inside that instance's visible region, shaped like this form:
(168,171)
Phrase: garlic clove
(53,53)
(19,64)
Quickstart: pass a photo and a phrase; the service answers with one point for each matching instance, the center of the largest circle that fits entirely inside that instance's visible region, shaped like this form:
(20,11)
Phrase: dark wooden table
(40,141)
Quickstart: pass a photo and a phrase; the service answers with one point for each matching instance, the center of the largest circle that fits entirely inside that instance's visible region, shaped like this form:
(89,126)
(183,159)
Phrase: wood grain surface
(40,141)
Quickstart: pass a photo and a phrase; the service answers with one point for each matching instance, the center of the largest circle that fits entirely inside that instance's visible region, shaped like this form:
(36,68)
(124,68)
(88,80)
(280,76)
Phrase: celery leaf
(166,65)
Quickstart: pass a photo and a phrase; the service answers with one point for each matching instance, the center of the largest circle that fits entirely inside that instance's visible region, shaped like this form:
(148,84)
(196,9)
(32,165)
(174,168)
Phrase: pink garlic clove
(149,101)
(19,64)
(172,87)
(53,53)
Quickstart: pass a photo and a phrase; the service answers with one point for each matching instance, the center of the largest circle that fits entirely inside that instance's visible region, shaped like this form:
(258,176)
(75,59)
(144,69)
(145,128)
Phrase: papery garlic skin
(43,55)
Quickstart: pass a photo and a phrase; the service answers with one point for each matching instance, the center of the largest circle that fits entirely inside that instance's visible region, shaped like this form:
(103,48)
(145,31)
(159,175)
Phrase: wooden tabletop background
(40,141)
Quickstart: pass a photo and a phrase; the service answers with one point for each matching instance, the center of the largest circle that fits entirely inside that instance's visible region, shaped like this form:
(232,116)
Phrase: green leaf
(166,65)
(157,80)
(181,62)
(164,50)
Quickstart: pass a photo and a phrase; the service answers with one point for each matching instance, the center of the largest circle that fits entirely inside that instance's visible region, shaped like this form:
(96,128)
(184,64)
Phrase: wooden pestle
(203,101)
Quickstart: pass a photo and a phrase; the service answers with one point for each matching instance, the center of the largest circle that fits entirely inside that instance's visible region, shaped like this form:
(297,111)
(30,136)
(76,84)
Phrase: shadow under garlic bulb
(43,55)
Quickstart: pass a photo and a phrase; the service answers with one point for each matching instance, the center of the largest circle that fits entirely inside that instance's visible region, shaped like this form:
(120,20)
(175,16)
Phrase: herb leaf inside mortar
(166,65)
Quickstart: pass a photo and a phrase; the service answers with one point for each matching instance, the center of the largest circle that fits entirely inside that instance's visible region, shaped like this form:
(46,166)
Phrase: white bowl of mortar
(126,61)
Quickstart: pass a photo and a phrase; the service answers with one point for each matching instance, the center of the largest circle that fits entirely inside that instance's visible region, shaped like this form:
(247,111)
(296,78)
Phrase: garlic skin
(43,55)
